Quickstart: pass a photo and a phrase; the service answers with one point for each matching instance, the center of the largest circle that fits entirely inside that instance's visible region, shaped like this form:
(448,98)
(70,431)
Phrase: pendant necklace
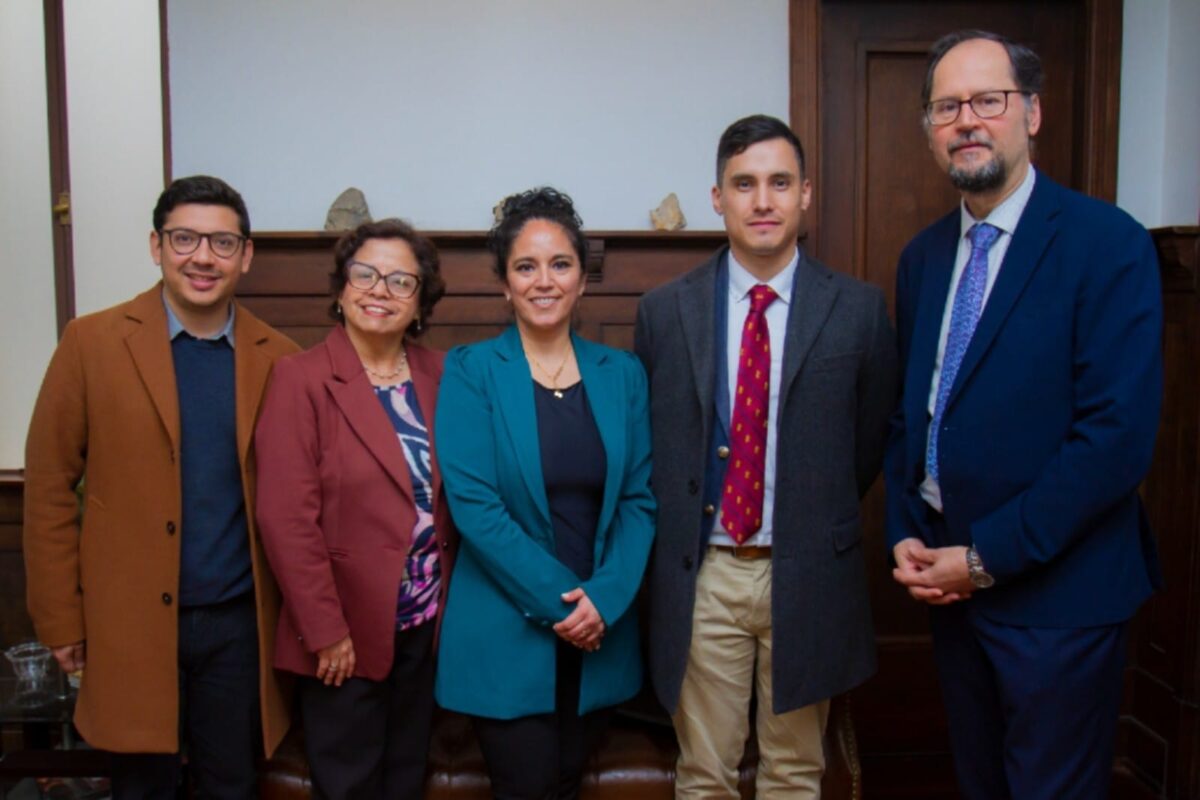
(553,376)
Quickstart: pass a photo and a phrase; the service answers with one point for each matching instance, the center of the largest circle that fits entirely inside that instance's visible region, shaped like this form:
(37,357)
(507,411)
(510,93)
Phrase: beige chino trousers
(729,658)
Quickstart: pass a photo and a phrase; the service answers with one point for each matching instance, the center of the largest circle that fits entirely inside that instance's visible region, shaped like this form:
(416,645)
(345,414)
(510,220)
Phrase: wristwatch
(980,578)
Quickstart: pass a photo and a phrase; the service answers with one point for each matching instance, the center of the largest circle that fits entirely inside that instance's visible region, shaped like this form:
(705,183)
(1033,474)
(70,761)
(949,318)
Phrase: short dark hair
(1025,65)
(752,130)
(540,203)
(432,286)
(202,190)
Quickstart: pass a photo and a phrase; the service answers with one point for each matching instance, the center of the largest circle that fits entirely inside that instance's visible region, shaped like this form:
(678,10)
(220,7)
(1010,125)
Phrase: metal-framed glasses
(985,105)
(185,241)
(364,277)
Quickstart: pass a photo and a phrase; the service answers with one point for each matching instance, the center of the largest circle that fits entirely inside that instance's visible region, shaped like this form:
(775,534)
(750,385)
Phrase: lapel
(355,398)
(427,376)
(812,300)
(150,350)
(936,268)
(514,395)
(1033,235)
(252,367)
(697,318)
(606,394)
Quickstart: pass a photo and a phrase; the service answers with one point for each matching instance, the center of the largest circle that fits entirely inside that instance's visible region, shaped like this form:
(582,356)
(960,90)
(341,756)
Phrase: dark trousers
(219,712)
(371,738)
(542,756)
(1032,711)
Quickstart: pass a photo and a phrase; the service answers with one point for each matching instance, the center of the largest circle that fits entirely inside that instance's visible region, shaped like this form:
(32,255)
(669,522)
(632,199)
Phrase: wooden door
(876,185)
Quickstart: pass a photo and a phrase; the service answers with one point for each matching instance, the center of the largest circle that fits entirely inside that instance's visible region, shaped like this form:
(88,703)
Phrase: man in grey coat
(771,381)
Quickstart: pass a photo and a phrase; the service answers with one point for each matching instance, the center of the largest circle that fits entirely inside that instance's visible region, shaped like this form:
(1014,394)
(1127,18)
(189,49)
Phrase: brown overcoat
(108,409)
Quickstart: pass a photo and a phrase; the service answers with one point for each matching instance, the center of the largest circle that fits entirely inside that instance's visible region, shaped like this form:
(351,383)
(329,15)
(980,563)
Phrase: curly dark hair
(432,286)
(540,203)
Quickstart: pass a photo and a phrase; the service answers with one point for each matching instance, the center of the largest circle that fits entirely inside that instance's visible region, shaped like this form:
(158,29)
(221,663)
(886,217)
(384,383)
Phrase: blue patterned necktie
(964,316)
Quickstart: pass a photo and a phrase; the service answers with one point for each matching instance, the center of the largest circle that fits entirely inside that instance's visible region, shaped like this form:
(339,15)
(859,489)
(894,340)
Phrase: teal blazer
(497,653)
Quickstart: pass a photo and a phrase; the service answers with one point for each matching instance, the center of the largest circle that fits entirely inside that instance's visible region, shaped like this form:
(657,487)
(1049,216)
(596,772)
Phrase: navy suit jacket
(1050,424)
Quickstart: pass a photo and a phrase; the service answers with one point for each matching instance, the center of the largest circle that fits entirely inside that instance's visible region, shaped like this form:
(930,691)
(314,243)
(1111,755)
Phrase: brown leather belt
(745,551)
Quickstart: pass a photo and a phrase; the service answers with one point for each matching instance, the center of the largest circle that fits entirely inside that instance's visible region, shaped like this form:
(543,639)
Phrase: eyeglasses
(985,105)
(185,241)
(364,277)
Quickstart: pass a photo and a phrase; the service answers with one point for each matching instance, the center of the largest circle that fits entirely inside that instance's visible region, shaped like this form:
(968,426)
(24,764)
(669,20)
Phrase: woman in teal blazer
(544,448)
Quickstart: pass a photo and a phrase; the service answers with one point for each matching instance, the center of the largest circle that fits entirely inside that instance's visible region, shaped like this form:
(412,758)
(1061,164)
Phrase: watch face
(982,580)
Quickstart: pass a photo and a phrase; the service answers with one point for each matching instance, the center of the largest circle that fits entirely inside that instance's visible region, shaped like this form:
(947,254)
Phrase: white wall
(114,112)
(27,306)
(1181,131)
(1158,172)
(438,110)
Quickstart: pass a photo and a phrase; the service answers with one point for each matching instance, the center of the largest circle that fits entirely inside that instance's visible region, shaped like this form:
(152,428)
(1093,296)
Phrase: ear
(1033,115)
(716,201)
(247,255)
(156,247)
(805,194)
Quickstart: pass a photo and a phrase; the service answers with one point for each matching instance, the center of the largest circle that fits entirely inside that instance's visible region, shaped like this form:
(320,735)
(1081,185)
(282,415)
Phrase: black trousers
(542,756)
(371,738)
(219,712)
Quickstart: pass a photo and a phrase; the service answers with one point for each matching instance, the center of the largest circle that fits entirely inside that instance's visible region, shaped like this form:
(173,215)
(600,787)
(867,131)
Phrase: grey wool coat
(838,388)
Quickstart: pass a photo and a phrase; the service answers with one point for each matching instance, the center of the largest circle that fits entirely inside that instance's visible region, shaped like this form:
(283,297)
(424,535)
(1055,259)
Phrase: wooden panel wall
(15,626)
(288,283)
(1160,730)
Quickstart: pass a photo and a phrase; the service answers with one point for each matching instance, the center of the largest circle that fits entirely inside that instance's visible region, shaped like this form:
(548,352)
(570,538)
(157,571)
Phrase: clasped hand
(934,575)
(583,627)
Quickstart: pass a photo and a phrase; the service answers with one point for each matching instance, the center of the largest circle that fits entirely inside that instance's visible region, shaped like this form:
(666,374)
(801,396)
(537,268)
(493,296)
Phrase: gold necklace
(387,376)
(553,376)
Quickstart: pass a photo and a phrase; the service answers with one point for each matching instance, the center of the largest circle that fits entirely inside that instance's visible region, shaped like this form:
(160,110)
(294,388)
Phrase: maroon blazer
(335,504)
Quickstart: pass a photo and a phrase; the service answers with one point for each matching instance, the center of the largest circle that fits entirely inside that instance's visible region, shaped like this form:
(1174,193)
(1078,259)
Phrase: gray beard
(987,178)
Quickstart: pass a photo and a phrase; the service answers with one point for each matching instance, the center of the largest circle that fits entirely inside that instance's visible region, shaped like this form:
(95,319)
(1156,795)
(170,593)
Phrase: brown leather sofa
(636,760)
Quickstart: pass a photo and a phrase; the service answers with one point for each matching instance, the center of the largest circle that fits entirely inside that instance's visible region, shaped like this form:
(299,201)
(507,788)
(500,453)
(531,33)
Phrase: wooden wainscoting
(288,283)
(1160,726)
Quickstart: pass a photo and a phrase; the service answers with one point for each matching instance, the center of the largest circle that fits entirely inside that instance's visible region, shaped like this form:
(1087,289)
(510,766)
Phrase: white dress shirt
(1005,217)
(741,281)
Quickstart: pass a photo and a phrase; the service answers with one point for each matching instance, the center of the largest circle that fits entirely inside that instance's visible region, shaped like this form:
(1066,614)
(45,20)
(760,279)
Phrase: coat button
(170,527)
(687,562)
(710,509)
(693,486)
(722,452)
(445,545)
(166,599)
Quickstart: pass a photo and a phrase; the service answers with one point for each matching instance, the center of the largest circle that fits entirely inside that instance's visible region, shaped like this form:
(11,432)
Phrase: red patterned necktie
(742,497)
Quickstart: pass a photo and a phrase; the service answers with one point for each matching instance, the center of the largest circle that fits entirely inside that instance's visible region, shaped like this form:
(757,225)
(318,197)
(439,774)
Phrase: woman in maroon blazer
(353,519)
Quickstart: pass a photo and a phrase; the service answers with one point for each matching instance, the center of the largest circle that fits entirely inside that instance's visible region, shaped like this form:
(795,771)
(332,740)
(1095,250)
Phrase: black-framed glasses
(985,105)
(185,241)
(364,277)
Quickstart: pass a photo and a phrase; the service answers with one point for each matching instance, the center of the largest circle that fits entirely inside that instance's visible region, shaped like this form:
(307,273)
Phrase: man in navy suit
(1030,321)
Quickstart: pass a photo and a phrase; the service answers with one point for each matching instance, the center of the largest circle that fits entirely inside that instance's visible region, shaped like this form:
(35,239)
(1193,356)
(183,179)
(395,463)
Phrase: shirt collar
(741,280)
(175,327)
(1006,215)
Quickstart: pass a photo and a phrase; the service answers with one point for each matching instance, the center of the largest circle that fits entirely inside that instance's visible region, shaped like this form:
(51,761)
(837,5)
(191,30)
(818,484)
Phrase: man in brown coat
(156,588)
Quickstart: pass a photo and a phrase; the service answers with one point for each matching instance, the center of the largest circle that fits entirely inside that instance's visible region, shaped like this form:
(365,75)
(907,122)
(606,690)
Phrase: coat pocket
(846,535)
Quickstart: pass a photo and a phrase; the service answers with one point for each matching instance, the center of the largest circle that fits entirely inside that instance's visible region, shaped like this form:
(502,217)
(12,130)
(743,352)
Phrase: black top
(573,466)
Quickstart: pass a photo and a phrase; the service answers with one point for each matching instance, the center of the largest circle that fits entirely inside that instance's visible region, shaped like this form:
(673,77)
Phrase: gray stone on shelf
(348,211)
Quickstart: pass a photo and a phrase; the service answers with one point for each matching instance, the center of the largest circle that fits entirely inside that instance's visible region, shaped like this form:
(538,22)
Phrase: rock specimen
(668,216)
(348,211)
